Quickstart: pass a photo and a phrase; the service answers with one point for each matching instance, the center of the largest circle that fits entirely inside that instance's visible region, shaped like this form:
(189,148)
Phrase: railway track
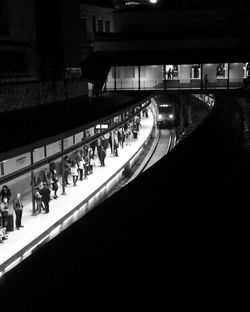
(164,141)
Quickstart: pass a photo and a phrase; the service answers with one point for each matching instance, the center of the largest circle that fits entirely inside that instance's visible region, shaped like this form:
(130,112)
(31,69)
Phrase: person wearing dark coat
(5,192)
(102,156)
(45,192)
(4,210)
(67,167)
(18,208)
(54,183)
(93,146)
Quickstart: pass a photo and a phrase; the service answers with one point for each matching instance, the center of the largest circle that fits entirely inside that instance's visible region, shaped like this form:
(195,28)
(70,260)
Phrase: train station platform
(70,207)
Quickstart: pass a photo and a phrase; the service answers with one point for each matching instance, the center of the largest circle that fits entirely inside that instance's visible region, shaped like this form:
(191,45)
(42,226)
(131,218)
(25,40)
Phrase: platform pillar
(202,76)
(63,170)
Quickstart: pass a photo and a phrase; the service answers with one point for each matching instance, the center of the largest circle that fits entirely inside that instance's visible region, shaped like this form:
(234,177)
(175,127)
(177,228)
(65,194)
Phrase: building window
(100,25)
(93,23)
(195,71)
(107,26)
(84,25)
(143,71)
(116,72)
(128,72)
(221,71)
(172,72)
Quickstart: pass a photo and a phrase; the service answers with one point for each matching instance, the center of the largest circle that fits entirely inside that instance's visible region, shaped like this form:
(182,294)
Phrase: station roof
(40,122)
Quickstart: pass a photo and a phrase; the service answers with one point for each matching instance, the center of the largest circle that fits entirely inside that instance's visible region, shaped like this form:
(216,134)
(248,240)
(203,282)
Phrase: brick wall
(20,96)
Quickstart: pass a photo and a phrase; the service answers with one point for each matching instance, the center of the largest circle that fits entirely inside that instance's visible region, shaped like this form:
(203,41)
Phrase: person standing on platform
(138,122)
(110,143)
(38,200)
(116,143)
(105,143)
(5,192)
(55,182)
(67,167)
(135,131)
(91,164)
(205,81)
(81,167)
(122,132)
(86,168)
(4,209)
(74,172)
(45,192)
(18,208)
(93,146)
(102,156)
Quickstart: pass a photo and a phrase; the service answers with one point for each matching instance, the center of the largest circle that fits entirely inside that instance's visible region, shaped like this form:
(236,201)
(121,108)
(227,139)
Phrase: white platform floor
(35,226)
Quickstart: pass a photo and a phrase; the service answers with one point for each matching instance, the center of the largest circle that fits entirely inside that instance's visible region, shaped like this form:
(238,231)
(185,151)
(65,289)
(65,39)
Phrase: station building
(169,235)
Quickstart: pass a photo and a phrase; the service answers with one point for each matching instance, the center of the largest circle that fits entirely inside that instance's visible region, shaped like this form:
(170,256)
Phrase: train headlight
(160,116)
(171,116)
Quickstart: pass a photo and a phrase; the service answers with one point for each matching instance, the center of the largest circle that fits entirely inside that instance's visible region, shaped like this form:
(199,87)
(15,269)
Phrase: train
(165,111)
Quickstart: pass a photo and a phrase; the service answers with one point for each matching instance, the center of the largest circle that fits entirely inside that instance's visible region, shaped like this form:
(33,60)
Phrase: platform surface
(35,226)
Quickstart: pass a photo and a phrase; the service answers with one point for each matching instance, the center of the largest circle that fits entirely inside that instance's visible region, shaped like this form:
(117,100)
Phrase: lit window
(221,71)
(195,71)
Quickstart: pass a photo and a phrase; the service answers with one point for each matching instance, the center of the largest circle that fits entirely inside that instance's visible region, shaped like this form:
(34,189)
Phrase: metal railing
(172,84)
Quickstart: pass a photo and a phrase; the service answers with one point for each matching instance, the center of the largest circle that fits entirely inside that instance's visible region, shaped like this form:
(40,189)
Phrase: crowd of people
(6,219)
(79,165)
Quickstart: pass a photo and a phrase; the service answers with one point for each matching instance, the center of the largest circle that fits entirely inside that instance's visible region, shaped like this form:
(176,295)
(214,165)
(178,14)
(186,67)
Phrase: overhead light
(153,1)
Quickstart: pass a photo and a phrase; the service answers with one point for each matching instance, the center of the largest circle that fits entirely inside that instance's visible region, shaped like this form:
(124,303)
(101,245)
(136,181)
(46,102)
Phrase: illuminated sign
(101,126)
(164,105)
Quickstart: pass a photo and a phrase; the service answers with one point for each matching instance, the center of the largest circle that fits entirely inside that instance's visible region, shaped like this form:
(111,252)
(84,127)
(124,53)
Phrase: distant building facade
(40,49)
(94,19)
(18,56)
